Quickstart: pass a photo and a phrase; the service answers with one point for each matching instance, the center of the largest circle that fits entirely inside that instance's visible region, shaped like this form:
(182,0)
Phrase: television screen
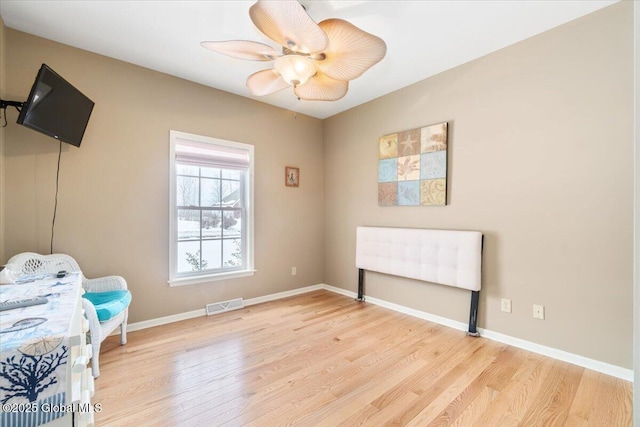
(56,108)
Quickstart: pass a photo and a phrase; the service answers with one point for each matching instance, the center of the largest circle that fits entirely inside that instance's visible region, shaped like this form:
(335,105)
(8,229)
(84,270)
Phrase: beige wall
(540,161)
(113,202)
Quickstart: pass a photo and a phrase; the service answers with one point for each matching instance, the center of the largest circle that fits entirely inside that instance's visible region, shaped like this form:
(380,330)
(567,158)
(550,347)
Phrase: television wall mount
(3,106)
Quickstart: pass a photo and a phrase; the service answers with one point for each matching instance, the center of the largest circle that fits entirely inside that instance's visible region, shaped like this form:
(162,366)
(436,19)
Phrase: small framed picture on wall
(291,176)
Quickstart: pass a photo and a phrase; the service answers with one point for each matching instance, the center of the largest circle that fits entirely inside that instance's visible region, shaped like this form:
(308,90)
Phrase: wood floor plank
(440,373)
(466,373)
(526,396)
(541,411)
(583,403)
(503,400)
(476,409)
(321,359)
(494,376)
(612,405)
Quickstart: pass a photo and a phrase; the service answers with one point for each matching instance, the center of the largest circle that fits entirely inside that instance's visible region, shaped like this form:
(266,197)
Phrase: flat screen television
(56,108)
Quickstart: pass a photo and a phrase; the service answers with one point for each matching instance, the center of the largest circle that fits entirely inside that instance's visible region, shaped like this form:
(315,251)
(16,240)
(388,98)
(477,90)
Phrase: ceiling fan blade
(243,49)
(265,82)
(287,23)
(322,88)
(351,50)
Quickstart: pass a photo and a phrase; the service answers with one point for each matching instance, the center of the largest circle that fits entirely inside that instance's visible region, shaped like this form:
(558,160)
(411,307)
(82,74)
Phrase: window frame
(190,278)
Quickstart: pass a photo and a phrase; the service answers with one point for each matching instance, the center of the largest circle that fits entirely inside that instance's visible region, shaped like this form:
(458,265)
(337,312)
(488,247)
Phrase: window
(211,209)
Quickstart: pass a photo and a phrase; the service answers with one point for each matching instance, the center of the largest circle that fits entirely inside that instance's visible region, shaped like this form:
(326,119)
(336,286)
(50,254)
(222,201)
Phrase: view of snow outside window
(210,214)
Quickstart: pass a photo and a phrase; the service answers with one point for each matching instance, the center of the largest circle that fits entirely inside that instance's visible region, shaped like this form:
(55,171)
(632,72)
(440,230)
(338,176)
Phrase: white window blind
(196,153)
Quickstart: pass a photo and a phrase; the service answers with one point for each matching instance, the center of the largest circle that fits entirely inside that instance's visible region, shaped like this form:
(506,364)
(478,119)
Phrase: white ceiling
(423,37)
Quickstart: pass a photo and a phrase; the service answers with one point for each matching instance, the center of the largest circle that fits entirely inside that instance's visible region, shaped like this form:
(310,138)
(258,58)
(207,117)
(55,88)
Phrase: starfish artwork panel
(412,167)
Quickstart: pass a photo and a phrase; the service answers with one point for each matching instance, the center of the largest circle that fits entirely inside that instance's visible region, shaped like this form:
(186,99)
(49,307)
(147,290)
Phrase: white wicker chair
(30,263)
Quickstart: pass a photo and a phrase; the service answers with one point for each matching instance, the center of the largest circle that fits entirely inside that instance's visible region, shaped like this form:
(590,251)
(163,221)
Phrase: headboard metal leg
(473,315)
(360,285)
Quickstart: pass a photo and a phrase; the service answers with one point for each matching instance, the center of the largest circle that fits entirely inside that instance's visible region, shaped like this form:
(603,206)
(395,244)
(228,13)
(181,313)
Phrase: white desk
(44,379)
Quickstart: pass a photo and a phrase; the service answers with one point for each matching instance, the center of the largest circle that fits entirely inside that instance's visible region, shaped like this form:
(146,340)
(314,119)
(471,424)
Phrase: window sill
(194,280)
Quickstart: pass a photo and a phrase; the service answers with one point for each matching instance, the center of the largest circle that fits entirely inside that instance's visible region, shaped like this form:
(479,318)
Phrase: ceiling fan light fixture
(318,60)
(295,69)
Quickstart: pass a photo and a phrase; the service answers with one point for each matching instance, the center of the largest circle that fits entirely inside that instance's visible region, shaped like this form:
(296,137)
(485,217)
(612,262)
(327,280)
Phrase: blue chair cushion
(110,303)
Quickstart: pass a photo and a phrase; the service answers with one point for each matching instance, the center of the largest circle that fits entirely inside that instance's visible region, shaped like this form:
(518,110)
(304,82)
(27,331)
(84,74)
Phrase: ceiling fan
(318,60)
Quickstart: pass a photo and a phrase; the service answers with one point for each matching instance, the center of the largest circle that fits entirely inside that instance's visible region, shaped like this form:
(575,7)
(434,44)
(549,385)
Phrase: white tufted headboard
(447,257)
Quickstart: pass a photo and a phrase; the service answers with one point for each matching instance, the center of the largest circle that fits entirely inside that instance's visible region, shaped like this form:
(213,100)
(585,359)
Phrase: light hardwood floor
(321,359)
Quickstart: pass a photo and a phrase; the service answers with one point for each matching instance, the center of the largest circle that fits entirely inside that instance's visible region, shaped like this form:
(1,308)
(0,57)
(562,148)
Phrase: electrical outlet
(505,305)
(293,271)
(538,311)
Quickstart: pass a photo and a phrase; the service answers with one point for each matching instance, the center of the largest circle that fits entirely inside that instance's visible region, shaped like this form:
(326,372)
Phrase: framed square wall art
(291,176)
(412,167)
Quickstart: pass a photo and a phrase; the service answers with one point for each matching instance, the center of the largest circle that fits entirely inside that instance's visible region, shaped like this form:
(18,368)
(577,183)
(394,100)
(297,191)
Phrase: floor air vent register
(221,307)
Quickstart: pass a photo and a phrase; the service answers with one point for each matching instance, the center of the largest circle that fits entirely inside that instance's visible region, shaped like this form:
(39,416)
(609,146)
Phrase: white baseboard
(565,356)
(585,362)
(131,327)
(280,295)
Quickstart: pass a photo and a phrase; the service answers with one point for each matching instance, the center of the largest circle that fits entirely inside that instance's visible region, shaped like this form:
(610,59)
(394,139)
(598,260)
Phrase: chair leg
(95,367)
(123,329)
